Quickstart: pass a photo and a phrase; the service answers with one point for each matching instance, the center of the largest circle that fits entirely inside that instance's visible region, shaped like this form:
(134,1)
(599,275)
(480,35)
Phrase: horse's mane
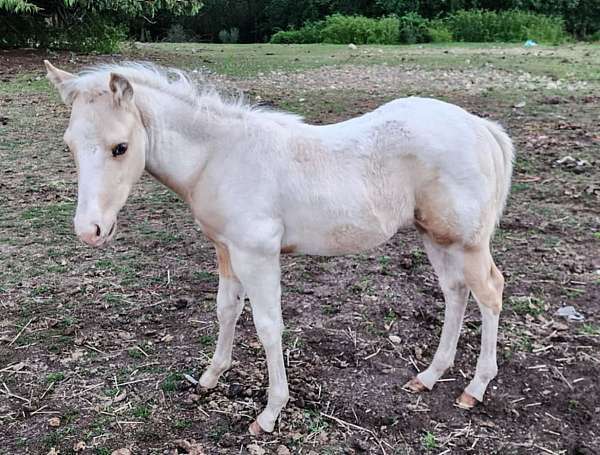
(175,82)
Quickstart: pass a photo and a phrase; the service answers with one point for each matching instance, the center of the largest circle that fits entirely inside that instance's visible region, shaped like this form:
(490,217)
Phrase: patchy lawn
(95,344)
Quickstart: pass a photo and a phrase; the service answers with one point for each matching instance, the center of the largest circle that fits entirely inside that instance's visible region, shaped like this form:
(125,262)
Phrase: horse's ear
(58,78)
(121,89)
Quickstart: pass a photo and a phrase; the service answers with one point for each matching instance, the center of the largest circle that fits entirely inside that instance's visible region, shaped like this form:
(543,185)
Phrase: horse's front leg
(230,302)
(260,276)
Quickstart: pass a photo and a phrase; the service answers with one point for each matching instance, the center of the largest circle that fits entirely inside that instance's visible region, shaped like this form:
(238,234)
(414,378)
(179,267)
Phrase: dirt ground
(95,345)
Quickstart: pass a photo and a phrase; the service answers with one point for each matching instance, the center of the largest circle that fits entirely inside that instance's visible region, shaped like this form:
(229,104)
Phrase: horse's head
(108,142)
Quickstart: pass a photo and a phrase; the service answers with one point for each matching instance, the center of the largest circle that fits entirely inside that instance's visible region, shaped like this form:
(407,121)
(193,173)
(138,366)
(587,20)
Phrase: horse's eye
(119,149)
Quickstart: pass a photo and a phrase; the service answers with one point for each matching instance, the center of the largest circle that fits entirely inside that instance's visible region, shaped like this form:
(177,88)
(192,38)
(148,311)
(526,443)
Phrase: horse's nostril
(98,231)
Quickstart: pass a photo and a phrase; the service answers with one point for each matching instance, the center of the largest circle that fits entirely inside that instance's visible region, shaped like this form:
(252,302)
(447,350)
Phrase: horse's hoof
(255,429)
(415,386)
(466,401)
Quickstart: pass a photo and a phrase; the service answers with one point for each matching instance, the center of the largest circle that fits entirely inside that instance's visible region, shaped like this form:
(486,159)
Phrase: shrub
(229,36)
(413,29)
(439,33)
(506,26)
(341,29)
(177,34)
(385,31)
(308,34)
(97,34)
(594,38)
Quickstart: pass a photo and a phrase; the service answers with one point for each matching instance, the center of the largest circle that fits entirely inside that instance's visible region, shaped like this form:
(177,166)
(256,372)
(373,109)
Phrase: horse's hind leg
(486,283)
(447,262)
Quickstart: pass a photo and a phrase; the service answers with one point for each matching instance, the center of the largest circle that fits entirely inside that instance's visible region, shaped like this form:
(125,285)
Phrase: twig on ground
(20,332)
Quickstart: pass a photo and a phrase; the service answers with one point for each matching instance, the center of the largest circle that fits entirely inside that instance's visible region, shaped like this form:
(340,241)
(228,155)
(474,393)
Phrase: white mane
(174,82)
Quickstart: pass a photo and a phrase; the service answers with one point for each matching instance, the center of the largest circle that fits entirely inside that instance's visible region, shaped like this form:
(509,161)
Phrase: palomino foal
(260,183)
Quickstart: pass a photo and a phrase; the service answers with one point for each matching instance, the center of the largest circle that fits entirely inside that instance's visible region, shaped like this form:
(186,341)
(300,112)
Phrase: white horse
(261,183)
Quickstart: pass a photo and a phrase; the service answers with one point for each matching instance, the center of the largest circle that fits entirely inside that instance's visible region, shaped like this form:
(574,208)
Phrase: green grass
(141,411)
(170,382)
(429,441)
(26,84)
(243,60)
(523,305)
(590,329)
(55,377)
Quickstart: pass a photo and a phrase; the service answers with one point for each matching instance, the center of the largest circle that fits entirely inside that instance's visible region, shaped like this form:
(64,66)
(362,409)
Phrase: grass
(55,377)
(429,441)
(170,382)
(117,298)
(248,61)
(523,305)
(141,411)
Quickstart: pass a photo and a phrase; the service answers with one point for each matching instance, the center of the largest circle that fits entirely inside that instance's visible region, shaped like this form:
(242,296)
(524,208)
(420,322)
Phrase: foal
(260,183)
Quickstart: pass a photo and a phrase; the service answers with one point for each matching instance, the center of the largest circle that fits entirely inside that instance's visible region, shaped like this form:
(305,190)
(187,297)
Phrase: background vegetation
(100,25)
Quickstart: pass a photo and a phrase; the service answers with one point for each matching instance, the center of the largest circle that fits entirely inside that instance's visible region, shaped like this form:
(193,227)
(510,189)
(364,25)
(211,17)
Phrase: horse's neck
(180,137)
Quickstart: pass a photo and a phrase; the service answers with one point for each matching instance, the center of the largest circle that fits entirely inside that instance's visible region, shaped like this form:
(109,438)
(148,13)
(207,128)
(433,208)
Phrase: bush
(413,29)
(95,35)
(229,36)
(385,31)
(439,33)
(177,34)
(341,29)
(506,26)
(308,34)
(594,38)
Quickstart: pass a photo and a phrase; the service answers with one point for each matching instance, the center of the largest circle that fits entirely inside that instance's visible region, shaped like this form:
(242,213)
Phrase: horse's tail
(503,163)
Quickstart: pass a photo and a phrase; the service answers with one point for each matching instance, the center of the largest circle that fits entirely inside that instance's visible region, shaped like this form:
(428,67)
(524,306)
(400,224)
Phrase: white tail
(505,166)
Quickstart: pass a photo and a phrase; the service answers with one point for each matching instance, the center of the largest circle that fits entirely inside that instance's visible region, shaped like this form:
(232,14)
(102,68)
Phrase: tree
(82,24)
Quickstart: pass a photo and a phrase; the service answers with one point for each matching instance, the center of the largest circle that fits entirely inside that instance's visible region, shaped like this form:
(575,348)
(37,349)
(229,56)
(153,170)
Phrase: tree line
(102,24)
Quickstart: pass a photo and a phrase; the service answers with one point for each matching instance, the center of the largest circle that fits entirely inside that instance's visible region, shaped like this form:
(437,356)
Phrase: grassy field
(94,344)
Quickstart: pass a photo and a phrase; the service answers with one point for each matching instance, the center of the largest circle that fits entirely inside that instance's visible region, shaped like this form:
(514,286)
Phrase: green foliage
(18,6)
(308,34)
(339,29)
(439,33)
(177,34)
(80,25)
(229,36)
(97,34)
(413,29)
(506,26)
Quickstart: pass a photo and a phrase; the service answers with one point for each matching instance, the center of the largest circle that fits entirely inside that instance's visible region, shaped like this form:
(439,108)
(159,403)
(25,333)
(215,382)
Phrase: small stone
(54,422)
(283,450)
(79,446)
(255,449)
(122,451)
(395,339)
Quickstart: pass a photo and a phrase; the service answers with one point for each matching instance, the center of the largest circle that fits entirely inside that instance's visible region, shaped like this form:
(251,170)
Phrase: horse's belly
(332,237)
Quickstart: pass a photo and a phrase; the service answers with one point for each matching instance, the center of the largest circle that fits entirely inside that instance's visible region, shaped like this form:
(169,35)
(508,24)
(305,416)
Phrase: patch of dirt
(103,339)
